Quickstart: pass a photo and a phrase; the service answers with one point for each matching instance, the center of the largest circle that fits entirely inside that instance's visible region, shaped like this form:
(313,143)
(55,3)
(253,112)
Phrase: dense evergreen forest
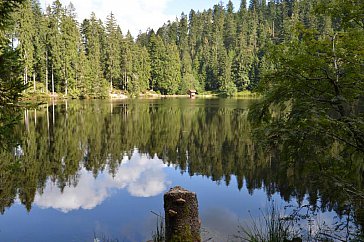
(222,49)
(305,56)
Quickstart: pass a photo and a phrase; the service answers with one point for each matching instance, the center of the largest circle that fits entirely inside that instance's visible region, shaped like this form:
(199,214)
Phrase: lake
(98,168)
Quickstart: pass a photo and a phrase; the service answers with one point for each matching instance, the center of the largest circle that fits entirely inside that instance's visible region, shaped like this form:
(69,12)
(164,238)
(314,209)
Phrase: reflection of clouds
(140,176)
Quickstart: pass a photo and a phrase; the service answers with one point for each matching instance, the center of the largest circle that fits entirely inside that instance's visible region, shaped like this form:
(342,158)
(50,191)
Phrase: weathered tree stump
(181,216)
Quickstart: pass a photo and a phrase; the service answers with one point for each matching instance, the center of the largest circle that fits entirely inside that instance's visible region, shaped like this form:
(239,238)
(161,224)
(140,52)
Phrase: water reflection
(74,156)
(140,176)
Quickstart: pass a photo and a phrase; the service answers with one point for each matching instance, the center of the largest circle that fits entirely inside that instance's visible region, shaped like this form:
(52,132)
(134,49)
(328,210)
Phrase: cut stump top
(178,189)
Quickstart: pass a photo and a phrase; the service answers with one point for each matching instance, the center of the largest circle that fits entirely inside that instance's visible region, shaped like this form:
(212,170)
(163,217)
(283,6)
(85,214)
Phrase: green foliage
(315,90)
(171,72)
(228,90)
(271,226)
(156,52)
(218,49)
(92,31)
(10,82)
(26,34)
(141,71)
(113,50)
(214,50)
(311,112)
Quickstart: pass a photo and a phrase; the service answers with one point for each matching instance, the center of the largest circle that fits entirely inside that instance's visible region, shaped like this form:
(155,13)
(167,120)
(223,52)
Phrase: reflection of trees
(207,137)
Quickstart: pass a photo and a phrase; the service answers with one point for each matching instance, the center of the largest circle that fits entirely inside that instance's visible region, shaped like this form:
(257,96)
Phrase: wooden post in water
(181,216)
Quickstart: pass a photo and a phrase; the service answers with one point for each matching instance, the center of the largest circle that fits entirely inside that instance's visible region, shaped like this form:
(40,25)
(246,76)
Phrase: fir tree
(70,39)
(26,34)
(91,33)
(112,50)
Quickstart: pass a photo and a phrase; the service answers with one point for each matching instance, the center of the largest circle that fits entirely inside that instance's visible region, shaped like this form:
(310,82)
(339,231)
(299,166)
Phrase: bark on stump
(181,216)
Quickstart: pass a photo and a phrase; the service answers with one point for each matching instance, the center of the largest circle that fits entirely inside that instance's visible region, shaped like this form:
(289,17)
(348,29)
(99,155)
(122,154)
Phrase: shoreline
(116,96)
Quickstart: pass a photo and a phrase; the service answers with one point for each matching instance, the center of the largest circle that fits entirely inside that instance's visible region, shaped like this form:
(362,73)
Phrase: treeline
(218,49)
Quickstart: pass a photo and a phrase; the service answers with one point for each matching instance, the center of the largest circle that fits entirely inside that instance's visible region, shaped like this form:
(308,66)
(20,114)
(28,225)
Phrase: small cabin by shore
(192,93)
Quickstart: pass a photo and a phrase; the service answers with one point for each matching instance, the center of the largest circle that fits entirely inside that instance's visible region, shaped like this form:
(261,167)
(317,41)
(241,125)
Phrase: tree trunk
(26,76)
(53,115)
(52,81)
(65,80)
(26,119)
(34,86)
(46,72)
(181,216)
(46,80)
(66,89)
(111,85)
(126,83)
(48,120)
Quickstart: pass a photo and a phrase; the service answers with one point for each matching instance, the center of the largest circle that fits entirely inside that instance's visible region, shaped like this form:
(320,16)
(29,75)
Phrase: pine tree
(217,48)
(54,38)
(113,50)
(229,27)
(10,71)
(84,78)
(171,73)
(70,39)
(26,34)
(182,33)
(188,81)
(193,32)
(156,51)
(141,71)
(127,59)
(241,65)
(39,44)
(91,29)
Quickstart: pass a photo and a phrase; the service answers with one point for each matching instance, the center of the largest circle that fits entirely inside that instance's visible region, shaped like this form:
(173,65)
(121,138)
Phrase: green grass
(247,94)
(158,234)
(271,226)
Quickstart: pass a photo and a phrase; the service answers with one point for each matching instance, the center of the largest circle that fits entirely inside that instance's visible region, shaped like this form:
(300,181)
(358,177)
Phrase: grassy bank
(40,95)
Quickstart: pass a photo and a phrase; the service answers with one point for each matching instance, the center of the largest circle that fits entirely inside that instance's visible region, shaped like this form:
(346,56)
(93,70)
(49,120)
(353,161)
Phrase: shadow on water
(199,137)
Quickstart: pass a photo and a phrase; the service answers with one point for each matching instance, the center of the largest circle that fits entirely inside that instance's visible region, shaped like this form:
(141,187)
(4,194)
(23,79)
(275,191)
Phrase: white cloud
(140,176)
(133,15)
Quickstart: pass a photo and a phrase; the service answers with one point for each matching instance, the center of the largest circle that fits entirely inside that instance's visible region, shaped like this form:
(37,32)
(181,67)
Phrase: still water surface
(81,168)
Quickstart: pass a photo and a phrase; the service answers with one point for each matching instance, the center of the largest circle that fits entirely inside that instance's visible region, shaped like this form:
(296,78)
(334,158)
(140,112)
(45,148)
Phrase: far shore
(122,96)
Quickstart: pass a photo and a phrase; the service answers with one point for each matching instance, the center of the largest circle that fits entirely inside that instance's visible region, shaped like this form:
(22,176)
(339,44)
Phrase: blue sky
(135,15)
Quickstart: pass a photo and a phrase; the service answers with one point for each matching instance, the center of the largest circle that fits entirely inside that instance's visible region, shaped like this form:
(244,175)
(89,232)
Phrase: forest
(305,59)
(224,49)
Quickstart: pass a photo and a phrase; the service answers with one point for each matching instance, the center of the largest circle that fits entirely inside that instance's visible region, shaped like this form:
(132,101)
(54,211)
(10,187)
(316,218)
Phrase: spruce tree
(230,27)
(127,59)
(113,50)
(70,39)
(39,44)
(54,39)
(156,51)
(11,84)
(91,29)
(171,78)
(26,34)
(141,71)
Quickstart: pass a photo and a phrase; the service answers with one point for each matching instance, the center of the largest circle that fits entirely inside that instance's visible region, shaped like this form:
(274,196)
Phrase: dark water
(85,168)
